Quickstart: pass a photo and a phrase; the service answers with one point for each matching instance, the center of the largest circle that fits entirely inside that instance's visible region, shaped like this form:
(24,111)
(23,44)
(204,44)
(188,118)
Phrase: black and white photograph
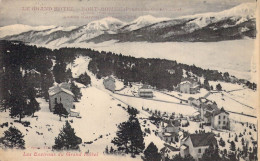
(121,80)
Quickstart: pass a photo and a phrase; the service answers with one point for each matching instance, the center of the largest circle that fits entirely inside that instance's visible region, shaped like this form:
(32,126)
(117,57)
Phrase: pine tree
(122,139)
(13,138)
(135,137)
(106,150)
(236,139)
(18,106)
(151,153)
(242,141)
(130,137)
(211,153)
(67,139)
(32,107)
(76,91)
(111,150)
(218,87)
(222,142)
(232,146)
(60,110)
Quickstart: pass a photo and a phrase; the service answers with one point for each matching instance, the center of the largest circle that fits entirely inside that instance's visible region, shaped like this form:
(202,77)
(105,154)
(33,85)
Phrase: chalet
(109,84)
(145,91)
(61,93)
(169,130)
(196,144)
(189,86)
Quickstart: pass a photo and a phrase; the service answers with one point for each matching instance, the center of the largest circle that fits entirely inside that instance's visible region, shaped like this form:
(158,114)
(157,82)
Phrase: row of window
(224,122)
(219,117)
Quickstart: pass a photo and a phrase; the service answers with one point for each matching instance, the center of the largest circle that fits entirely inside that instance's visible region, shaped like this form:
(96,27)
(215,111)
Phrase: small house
(61,94)
(169,130)
(109,84)
(145,91)
(196,144)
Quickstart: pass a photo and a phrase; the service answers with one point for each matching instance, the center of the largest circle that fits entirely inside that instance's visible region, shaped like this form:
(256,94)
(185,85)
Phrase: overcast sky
(80,12)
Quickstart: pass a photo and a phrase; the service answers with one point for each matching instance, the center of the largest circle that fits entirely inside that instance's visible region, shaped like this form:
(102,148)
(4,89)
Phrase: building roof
(203,139)
(191,98)
(217,112)
(184,82)
(145,86)
(57,89)
(207,114)
(109,79)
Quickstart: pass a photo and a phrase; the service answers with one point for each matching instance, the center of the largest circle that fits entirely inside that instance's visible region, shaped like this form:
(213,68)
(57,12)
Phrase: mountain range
(236,23)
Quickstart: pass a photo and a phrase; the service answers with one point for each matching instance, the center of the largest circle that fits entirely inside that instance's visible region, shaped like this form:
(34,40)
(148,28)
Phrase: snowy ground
(230,104)
(101,114)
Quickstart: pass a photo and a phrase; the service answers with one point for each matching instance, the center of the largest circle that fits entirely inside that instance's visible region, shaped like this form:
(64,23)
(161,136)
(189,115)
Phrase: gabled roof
(110,79)
(217,112)
(184,82)
(57,89)
(203,139)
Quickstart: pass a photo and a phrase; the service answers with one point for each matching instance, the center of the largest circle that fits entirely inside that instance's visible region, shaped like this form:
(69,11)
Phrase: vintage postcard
(134,80)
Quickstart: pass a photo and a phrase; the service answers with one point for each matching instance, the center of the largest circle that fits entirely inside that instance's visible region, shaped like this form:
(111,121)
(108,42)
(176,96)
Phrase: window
(219,122)
(60,99)
(199,151)
(55,100)
(219,117)
(223,117)
(224,122)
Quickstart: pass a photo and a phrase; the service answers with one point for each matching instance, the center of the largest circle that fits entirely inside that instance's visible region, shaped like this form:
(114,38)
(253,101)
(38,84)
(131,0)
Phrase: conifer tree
(151,153)
(232,146)
(60,110)
(13,138)
(67,139)
(76,91)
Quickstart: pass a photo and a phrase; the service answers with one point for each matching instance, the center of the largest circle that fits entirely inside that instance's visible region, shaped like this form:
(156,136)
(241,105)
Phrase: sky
(80,12)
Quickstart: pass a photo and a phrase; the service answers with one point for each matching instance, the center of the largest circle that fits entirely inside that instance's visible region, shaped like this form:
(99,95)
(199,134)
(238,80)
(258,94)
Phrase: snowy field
(226,56)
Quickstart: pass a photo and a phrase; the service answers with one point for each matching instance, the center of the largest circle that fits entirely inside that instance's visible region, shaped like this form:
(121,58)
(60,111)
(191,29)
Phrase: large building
(196,144)
(220,119)
(61,93)
(109,84)
(189,85)
(211,114)
(145,91)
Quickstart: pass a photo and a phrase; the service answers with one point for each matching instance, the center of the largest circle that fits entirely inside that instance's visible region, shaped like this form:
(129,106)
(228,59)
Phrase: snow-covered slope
(240,13)
(19,28)
(236,23)
(143,21)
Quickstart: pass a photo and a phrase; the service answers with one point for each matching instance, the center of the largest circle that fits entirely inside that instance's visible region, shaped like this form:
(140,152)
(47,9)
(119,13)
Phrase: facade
(220,119)
(145,91)
(212,115)
(109,84)
(189,87)
(58,94)
(196,144)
